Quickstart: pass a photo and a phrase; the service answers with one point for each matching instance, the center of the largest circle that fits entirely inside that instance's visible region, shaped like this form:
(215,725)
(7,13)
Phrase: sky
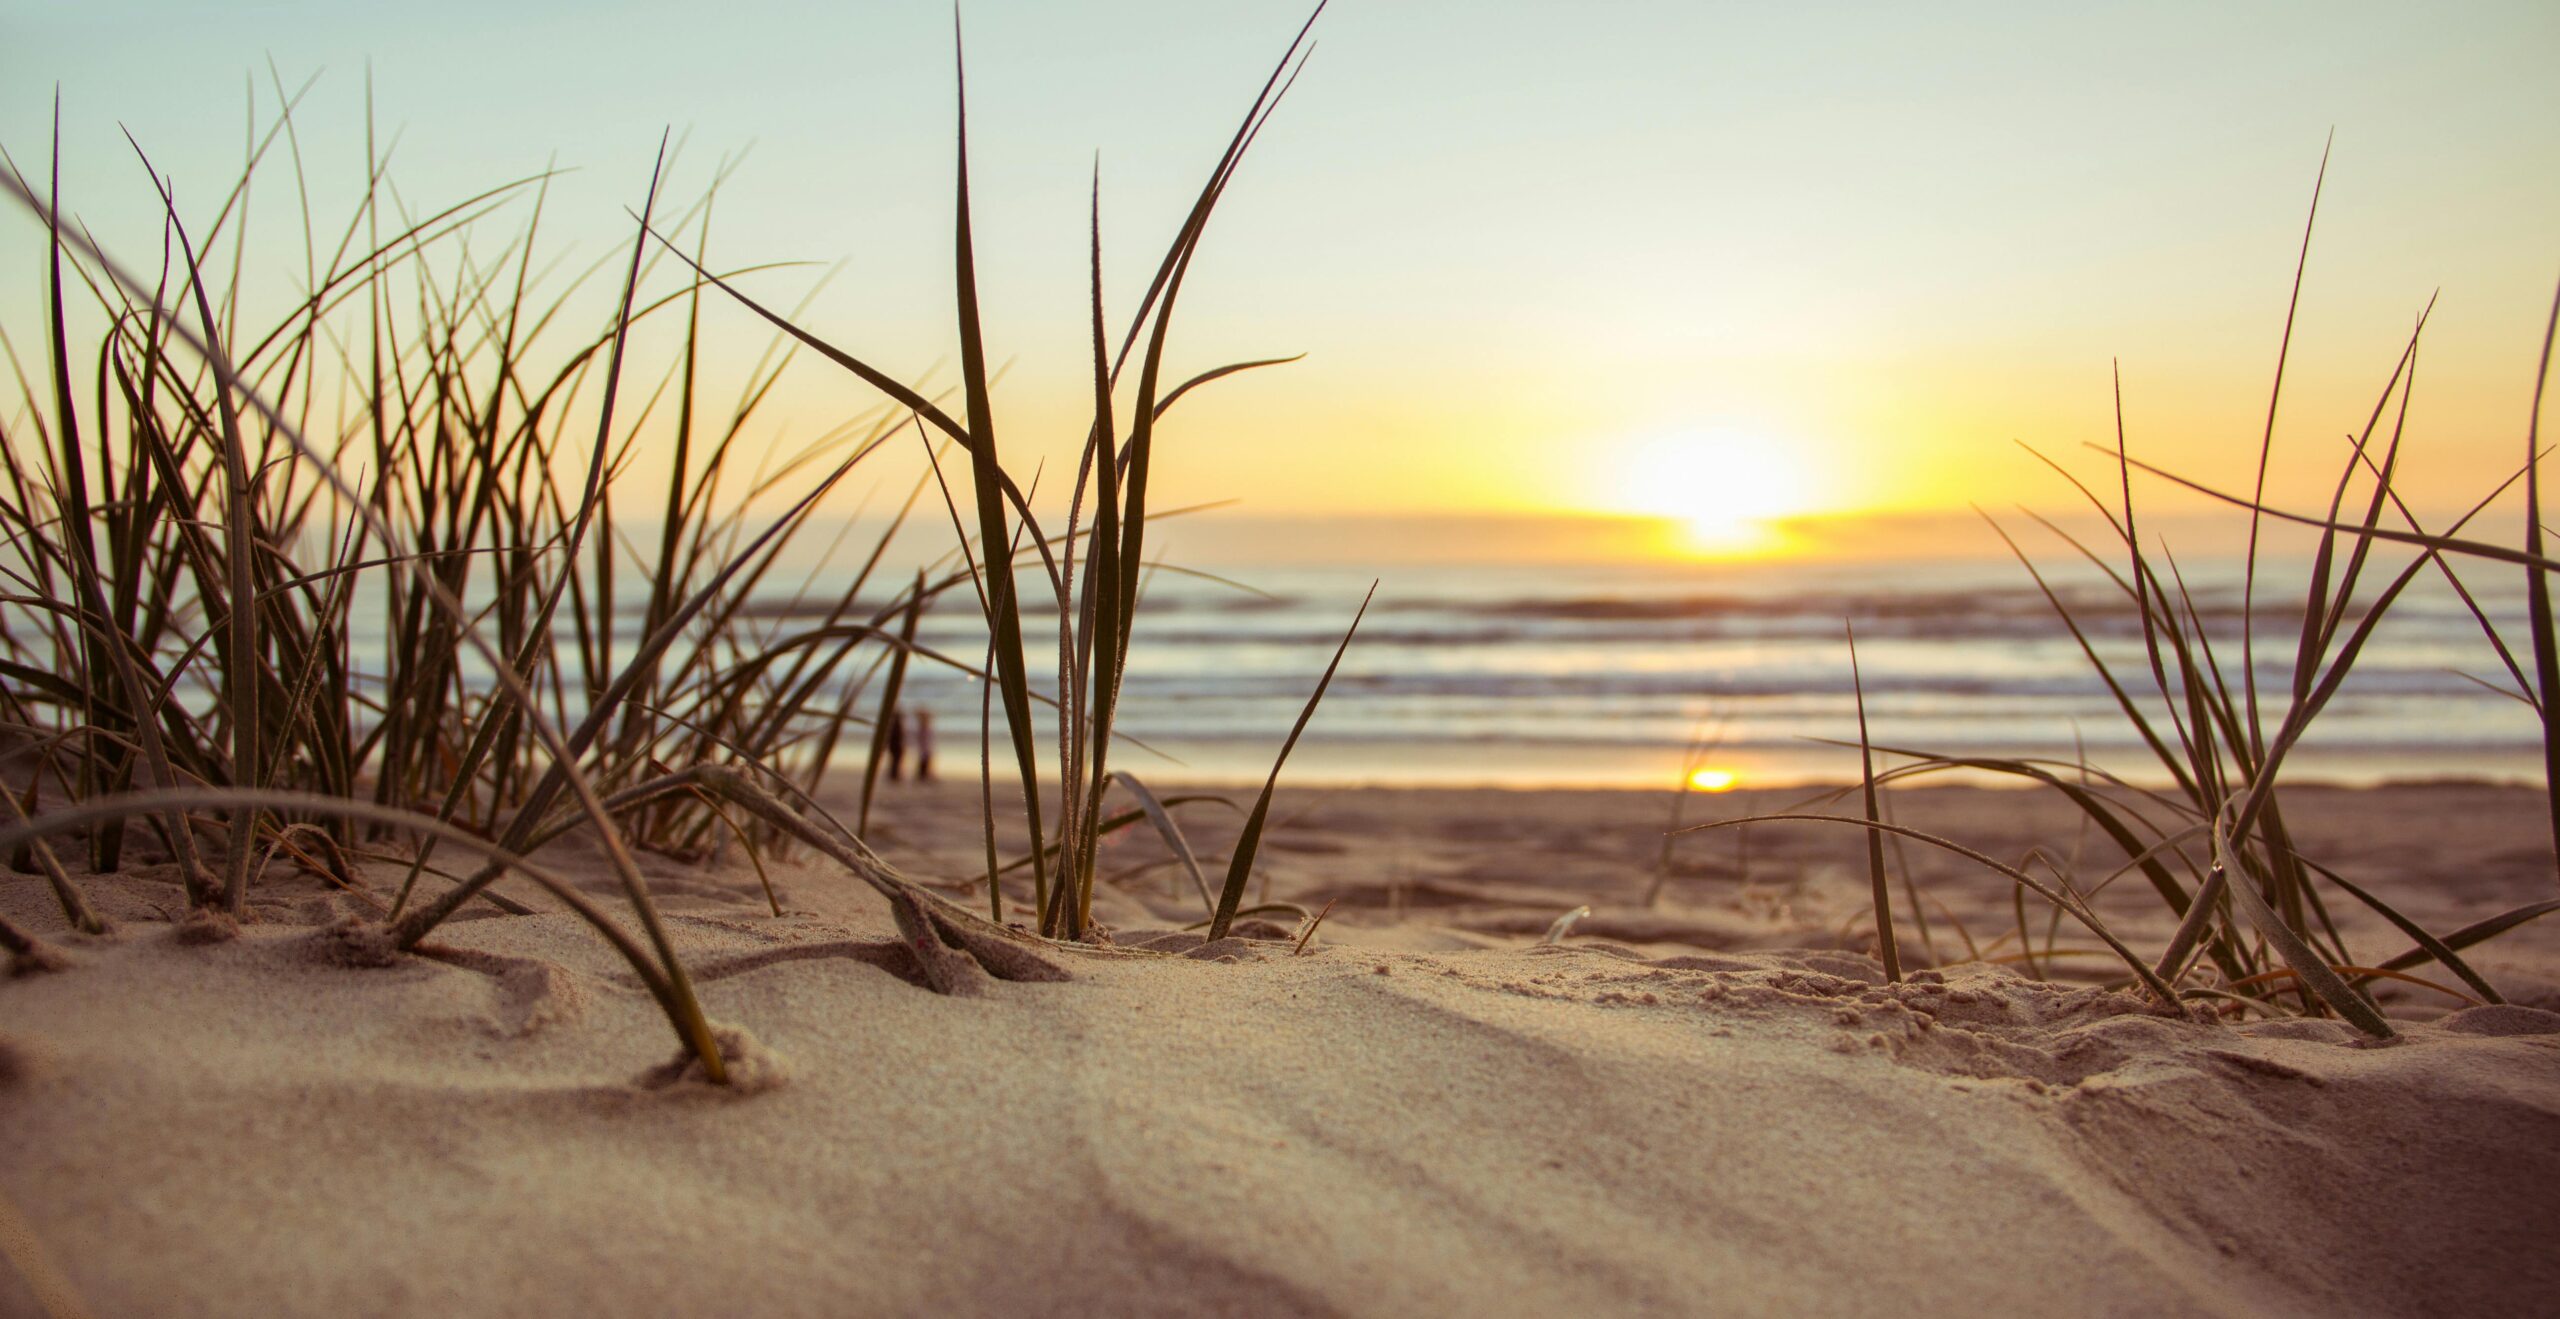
(1735,265)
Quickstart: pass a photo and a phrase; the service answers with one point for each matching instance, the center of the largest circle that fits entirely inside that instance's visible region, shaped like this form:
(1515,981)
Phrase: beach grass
(2255,928)
(196,529)
(1097,610)
(194,526)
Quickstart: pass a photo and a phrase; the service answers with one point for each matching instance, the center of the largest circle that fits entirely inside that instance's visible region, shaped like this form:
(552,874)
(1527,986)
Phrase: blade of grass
(2546,648)
(1004,611)
(2088,919)
(884,727)
(2448,543)
(2427,943)
(1249,841)
(240,670)
(1886,949)
(2266,446)
(2476,932)
(2313,973)
(1171,833)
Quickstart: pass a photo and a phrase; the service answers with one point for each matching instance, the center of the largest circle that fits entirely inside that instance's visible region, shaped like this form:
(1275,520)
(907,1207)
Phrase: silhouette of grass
(2251,910)
(192,534)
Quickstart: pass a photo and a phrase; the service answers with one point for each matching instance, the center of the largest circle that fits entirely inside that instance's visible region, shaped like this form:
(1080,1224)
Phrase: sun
(1728,489)
(1709,778)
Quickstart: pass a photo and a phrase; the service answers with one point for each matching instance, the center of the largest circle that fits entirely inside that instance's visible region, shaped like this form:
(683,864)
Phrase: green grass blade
(1886,949)
(2313,972)
(2478,549)
(1171,833)
(2124,700)
(1165,405)
(2477,932)
(2546,648)
(883,727)
(242,675)
(1099,659)
(2266,449)
(1240,865)
(1004,610)
(2430,945)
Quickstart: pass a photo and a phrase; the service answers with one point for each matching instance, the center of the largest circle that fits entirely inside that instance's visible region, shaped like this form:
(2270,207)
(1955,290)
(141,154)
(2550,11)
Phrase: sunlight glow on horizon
(1852,256)
(1729,491)
(1711,778)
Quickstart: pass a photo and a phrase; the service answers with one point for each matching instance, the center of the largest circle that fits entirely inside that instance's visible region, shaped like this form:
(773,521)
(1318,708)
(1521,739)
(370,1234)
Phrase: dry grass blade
(75,904)
(1118,561)
(1299,949)
(1165,405)
(1562,926)
(73,816)
(2116,823)
(956,949)
(2078,910)
(1128,819)
(1702,741)
(28,954)
(1171,833)
(2169,759)
(72,502)
(47,1285)
(2428,944)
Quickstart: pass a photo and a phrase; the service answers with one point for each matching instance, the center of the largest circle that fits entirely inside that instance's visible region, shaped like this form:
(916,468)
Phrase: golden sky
(1714,262)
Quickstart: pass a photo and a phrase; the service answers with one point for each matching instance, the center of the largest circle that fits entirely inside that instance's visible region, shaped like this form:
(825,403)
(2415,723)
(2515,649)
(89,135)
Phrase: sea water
(1637,674)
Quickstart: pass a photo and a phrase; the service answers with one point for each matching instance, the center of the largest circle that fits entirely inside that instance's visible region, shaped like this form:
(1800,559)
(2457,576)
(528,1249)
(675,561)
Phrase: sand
(1709,1106)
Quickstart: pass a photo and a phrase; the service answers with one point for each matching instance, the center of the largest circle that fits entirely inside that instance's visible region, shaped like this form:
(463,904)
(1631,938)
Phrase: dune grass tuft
(2255,926)
(353,587)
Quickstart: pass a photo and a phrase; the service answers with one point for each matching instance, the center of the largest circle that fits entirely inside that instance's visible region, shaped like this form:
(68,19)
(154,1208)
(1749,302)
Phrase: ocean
(1610,675)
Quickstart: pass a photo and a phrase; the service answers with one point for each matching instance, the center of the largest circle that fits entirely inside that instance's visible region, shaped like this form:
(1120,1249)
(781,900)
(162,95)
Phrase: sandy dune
(1426,1112)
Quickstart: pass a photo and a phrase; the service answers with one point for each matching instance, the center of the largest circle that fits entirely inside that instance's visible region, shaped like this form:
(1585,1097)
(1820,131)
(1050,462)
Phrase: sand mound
(1574,1128)
(1403,1121)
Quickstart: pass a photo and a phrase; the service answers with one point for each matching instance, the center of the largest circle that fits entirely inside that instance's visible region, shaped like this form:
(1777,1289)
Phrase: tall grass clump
(197,528)
(2256,917)
(353,585)
(1092,571)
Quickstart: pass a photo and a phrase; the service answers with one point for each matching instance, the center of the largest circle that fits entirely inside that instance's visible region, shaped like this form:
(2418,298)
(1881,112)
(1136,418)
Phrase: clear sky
(1718,261)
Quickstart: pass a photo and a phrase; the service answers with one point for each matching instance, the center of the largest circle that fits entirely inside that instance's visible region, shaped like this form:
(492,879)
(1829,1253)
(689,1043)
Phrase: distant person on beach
(897,743)
(924,746)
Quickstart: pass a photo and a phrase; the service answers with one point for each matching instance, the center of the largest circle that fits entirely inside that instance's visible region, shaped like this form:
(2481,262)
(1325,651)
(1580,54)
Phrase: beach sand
(1711,1105)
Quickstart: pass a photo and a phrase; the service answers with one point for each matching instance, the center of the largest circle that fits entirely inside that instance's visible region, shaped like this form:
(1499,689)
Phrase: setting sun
(1711,779)
(1728,489)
